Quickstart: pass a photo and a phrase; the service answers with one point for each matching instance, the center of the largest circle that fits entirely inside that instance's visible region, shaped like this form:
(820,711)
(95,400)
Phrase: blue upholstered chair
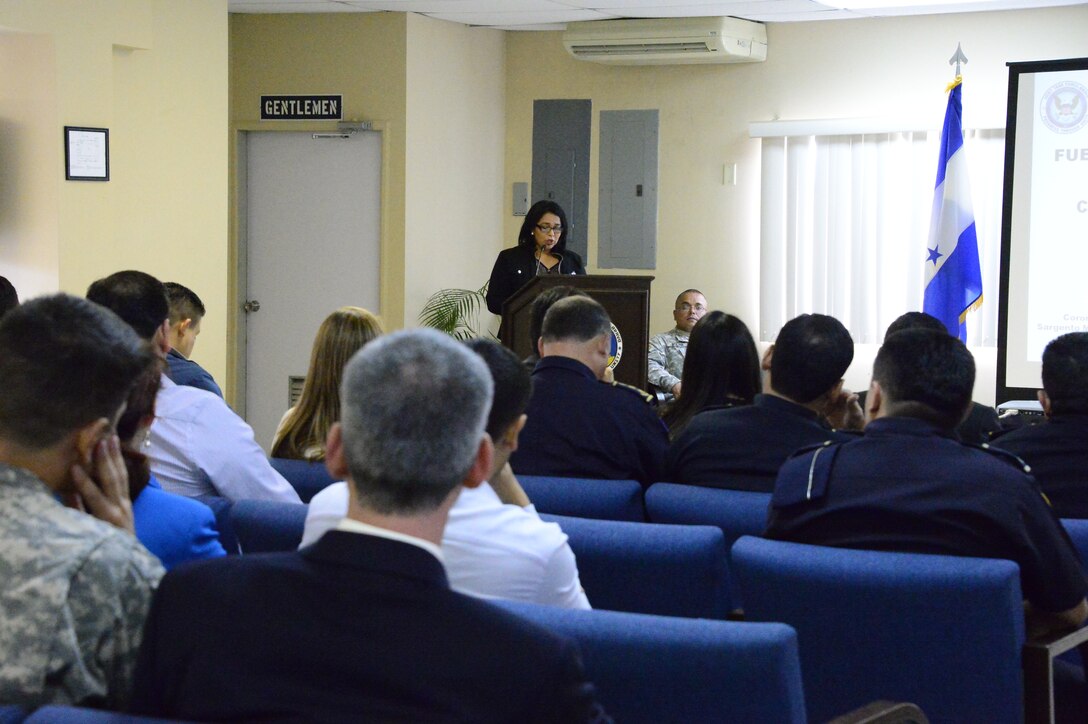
(662,669)
(77,715)
(585,497)
(307,478)
(668,570)
(12,714)
(268,525)
(941,631)
(736,512)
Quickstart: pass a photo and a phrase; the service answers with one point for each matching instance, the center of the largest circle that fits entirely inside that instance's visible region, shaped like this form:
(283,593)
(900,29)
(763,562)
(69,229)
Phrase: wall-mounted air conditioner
(667,41)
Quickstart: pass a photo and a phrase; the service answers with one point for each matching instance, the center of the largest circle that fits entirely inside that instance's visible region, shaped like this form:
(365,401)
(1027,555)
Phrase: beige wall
(708,233)
(30,158)
(436,90)
(358,55)
(456,126)
(154,73)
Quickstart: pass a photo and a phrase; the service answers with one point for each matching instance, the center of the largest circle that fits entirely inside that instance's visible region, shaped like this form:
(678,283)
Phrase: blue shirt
(175,528)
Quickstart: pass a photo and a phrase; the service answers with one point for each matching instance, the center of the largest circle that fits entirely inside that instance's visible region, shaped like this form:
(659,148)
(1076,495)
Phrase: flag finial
(958,58)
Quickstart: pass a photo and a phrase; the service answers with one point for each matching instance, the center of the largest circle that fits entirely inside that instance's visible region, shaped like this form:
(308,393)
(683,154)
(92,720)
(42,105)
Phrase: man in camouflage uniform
(74,587)
(667,350)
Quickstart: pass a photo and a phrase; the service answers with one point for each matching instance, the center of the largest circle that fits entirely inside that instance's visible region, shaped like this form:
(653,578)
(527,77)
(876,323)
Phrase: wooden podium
(626,298)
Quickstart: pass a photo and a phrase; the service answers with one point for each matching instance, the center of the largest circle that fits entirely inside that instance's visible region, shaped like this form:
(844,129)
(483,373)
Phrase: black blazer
(515,267)
(352,628)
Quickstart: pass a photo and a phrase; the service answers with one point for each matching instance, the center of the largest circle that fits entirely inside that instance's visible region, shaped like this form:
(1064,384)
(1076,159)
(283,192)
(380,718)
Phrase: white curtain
(845,221)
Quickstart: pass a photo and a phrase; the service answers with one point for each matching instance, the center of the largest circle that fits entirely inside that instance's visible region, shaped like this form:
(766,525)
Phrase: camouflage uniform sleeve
(657,360)
(108,602)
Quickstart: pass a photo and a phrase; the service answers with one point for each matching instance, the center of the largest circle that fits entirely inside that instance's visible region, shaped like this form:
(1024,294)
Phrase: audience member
(1057,449)
(908,485)
(186,312)
(981,423)
(199,447)
(302,431)
(175,528)
(495,545)
(9,298)
(74,586)
(362,625)
(665,360)
(579,426)
(721,368)
(803,401)
(538,309)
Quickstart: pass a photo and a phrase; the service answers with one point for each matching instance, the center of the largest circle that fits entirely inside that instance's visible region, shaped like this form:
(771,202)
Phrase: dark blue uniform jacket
(581,427)
(906,486)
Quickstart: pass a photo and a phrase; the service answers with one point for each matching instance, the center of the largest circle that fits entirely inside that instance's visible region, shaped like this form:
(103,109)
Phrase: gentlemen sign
(302,108)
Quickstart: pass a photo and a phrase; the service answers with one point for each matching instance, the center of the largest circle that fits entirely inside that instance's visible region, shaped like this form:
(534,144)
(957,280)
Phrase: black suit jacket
(353,628)
(516,267)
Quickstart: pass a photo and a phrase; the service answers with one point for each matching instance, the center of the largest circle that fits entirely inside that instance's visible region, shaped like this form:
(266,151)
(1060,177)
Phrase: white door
(311,246)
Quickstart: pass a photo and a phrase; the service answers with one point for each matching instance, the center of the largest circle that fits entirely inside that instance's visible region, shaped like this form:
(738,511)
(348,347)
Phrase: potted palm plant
(455,312)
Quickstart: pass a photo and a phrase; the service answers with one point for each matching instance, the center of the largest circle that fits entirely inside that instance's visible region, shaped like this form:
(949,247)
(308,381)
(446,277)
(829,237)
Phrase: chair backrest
(660,669)
(736,512)
(585,497)
(307,478)
(268,525)
(221,508)
(668,570)
(942,632)
(75,715)
(12,714)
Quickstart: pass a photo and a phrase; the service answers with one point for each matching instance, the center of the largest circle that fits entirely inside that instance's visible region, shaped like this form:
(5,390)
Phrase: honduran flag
(953,275)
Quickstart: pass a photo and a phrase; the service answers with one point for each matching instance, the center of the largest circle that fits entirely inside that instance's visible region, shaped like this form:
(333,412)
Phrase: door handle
(252,306)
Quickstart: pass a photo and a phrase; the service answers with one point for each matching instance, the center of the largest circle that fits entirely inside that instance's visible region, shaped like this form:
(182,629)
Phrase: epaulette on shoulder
(646,396)
(1004,455)
(805,475)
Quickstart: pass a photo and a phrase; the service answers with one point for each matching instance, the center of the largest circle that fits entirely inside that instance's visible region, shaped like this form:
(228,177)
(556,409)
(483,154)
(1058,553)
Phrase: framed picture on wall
(86,154)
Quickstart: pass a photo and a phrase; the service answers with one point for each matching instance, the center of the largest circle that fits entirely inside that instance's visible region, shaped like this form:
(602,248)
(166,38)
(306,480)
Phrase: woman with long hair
(721,369)
(541,249)
(303,429)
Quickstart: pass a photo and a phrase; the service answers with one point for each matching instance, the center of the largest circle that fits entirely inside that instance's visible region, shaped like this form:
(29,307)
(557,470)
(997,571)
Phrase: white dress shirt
(199,447)
(490,550)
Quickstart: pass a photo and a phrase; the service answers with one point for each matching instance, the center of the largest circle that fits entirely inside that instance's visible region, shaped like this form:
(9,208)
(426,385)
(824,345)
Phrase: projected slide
(1045,264)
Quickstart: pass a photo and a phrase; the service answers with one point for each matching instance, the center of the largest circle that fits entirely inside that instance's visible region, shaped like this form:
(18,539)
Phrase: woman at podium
(541,249)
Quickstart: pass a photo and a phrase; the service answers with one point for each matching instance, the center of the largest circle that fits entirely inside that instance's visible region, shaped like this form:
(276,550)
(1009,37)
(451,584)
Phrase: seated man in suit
(495,545)
(74,586)
(186,313)
(803,402)
(362,625)
(1057,450)
(198,446)
(981,423)
(909,485)
(665,359)
(579,426)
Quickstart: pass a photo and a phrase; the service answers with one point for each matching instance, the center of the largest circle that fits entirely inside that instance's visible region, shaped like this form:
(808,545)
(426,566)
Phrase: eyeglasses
(685,307)
(545,230)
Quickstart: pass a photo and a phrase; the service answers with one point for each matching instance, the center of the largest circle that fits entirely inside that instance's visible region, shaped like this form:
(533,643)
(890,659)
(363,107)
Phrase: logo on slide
(615,348)
(1064,107)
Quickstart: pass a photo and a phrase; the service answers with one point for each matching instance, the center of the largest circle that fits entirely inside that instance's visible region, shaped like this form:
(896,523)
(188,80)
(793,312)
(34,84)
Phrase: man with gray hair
(372,628)
(579,426)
